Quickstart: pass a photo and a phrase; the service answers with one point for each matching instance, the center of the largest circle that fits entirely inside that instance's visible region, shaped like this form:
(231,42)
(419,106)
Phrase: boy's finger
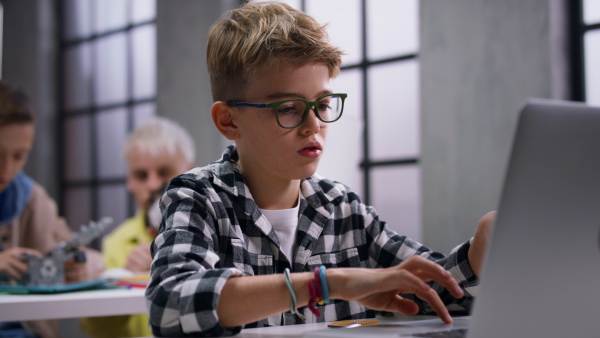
(449,283)
(430,271)
(436,303)
(19,251)
(405,306)
(18,266)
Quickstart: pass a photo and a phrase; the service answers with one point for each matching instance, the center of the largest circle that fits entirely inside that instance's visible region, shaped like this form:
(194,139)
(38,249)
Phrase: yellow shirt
(116,246)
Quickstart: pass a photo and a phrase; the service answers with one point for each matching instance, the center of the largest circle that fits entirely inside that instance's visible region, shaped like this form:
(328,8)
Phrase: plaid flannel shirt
(213,230)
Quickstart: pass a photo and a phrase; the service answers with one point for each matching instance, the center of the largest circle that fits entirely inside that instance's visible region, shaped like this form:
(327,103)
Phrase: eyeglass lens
(290,113)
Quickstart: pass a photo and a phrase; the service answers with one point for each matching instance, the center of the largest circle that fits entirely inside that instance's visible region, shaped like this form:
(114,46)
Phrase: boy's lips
(311,150)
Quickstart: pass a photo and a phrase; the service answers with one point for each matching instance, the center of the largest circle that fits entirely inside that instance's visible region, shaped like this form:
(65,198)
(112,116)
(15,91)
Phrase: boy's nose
(154,182)
(4,164)
(312,123)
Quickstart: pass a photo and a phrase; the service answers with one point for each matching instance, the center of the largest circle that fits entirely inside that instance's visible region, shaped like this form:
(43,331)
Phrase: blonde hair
(161,135)
(258,36)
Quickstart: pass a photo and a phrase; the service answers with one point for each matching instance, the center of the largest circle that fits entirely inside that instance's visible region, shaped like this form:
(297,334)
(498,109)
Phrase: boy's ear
(222,115)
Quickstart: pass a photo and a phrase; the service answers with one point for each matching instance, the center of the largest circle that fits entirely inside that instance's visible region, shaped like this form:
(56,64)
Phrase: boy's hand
(11,263)
(75,272)
(139,259)
(480,242)
(379,289)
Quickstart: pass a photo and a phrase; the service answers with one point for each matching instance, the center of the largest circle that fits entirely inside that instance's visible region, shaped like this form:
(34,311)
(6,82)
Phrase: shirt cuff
(461,269)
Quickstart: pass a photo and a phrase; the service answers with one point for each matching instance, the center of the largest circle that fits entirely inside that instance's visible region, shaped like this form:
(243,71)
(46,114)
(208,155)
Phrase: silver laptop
(542,272)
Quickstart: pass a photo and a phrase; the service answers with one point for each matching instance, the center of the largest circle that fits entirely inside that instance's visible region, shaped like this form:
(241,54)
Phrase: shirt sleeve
(389,249)
(186,280)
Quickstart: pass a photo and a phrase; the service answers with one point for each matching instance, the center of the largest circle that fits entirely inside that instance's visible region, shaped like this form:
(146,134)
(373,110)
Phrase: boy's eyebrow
(285,95)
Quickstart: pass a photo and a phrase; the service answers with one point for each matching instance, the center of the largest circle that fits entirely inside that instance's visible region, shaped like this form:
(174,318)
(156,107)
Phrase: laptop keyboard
(455,333)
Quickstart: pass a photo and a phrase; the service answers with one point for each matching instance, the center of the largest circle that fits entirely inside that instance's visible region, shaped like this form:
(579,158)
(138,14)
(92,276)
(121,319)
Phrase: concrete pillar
(480,61)
(29,63)
(183,87)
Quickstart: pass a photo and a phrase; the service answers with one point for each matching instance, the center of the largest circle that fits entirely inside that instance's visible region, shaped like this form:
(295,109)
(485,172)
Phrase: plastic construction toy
(49,269)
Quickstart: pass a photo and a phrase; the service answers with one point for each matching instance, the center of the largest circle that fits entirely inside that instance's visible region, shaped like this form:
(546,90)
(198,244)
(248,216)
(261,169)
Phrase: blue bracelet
(288,281)
(324,287)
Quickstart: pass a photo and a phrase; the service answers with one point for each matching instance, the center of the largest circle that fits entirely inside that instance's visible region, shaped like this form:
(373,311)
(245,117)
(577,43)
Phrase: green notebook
(48,289)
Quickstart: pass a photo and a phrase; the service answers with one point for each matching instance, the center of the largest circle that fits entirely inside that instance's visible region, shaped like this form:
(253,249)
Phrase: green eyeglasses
(292,113)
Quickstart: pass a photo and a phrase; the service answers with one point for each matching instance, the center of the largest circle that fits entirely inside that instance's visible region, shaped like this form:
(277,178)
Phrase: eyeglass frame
(310,105)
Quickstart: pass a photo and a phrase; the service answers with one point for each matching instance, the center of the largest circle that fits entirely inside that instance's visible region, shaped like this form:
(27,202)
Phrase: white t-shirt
(284,223)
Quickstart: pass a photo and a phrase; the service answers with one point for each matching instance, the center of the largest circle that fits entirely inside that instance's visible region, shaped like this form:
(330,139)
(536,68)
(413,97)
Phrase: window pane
(111,69)
(394,110)
(142,10)
(77,148)
(111,131)
(343,152)
(143,113)
(592,67)
(397,198)
(344,28)
(110,15)
(78,76)
(77,15)
(297,4)
(112,202)
(144,61)
(392,28)
(591,11)
(78,207)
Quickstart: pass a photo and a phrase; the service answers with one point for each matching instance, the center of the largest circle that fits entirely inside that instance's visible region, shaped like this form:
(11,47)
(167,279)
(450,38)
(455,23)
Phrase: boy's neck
(275,195)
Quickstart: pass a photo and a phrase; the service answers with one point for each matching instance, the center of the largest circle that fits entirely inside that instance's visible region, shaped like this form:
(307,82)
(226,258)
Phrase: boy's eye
(324,106)
(165,172)
(18,156)
(287,110)
(140,175)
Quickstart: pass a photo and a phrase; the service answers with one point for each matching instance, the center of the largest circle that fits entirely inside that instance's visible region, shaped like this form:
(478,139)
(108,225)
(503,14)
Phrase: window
(591,43)
(586,51)
(375,147)
(1,35)
(108,87)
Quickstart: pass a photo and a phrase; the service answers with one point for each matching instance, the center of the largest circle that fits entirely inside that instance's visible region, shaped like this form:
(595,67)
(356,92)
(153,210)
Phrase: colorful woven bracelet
(313,298)
(324,287)
(318,288)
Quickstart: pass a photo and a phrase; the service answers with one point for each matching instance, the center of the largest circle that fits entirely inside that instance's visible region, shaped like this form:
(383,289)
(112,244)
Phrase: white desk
(302,330)
(91,303)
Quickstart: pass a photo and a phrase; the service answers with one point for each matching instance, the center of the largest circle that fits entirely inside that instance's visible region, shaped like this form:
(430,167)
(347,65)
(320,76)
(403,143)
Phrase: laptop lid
(543,263)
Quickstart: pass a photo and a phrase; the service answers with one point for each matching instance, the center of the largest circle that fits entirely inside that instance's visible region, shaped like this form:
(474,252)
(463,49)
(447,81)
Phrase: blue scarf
(15,197)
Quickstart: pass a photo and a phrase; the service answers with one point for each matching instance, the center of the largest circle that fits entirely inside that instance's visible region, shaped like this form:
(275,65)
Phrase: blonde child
(258,238)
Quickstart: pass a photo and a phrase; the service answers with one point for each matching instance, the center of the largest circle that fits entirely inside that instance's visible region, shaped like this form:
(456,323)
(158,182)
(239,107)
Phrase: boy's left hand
(75,272)
(480,242)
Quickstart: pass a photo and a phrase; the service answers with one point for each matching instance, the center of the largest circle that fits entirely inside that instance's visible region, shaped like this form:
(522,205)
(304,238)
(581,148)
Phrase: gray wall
(183,85)
(28,62)
(480,60)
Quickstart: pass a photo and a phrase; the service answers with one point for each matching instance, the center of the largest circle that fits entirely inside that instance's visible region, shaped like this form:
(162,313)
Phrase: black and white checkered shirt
(213,230)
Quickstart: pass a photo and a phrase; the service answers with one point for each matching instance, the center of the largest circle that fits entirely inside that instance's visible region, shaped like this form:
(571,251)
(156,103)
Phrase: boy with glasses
(234,230)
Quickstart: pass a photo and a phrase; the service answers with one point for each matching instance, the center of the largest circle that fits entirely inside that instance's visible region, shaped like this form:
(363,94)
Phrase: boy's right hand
(11,262)
(379,289)
(139,258)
